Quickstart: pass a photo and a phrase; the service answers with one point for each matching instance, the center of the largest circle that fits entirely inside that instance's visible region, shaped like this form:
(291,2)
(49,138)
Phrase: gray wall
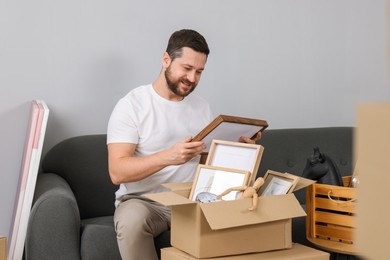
(295,63)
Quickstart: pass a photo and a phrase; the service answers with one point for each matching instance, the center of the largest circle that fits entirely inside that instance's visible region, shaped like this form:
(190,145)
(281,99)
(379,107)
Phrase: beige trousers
(138,221)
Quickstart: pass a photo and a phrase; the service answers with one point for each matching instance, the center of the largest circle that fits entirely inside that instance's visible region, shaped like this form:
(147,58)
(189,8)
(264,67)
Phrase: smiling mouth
(187,83)
(187,86)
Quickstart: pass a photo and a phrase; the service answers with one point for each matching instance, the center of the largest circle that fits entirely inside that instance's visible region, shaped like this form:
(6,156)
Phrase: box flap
(178,186)
(227,214)
(303,183)
(169,198)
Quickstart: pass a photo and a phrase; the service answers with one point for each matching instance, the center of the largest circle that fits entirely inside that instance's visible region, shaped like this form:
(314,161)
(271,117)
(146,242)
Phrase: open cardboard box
(297,252)
(228,227)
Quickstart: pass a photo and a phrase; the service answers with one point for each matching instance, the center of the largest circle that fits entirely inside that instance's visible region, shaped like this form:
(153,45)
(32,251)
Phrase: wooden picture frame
(235,155)
(230,128)
(277,183)
(212,180)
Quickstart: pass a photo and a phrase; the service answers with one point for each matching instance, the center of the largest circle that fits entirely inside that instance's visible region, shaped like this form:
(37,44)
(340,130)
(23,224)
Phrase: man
(149,143)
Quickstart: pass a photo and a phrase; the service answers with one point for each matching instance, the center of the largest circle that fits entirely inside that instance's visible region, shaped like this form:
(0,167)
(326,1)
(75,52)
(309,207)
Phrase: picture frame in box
(277,183)
(230,128)
(210,181)
(236,155)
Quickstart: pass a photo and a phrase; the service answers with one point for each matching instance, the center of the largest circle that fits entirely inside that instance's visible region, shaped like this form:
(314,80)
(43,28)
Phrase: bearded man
(149,139)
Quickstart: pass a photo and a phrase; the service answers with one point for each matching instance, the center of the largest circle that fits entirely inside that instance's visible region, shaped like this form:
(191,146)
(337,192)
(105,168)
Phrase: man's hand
(183,151)
(248,140)
(125,167)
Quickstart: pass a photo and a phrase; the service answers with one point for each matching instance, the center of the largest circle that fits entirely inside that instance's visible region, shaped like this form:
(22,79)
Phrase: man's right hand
(124,167)
(183,151)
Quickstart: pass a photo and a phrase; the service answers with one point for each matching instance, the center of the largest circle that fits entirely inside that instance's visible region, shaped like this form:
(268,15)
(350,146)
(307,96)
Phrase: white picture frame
(236,155)
(214,180)
(277,183)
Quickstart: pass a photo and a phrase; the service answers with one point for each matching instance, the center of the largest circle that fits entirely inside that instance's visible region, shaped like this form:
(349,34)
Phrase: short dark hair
(186,38)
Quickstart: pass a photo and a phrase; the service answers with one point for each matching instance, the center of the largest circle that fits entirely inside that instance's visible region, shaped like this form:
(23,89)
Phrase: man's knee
(130,216)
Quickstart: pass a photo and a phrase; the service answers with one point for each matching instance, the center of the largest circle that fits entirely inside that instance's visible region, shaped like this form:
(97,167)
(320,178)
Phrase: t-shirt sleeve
(210,114)
(122,127)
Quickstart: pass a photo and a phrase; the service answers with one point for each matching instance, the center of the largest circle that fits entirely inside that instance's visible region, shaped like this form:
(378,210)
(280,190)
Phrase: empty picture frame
(277,183)
(230,128)
(211,181)
(236,155)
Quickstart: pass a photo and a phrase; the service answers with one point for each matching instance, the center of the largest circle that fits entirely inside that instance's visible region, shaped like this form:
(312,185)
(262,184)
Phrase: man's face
(183,73)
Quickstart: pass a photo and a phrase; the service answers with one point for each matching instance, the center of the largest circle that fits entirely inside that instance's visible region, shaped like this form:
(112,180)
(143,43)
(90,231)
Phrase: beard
(173,84)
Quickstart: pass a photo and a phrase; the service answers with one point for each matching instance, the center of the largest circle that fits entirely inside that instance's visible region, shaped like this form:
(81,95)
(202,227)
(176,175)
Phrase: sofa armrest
(54,225)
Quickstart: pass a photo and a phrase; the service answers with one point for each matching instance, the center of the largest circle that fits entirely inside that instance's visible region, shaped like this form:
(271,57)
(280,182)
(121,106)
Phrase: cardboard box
(3,248)
(228,227)
(297,252)
(372,154)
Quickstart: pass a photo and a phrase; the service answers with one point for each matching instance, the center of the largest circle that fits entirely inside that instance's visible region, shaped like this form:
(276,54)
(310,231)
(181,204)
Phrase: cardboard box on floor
(3,248)
(297,252)
(228,227)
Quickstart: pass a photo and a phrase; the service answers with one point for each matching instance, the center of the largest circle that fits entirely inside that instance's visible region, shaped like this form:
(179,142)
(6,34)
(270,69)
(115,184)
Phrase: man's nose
(191,76)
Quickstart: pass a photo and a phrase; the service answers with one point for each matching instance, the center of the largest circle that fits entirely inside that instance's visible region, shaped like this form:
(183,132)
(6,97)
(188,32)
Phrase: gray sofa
(73,205)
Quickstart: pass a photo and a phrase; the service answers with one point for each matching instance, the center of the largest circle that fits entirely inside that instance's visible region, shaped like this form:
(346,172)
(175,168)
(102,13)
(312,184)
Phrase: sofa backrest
(82,161)
(286,150)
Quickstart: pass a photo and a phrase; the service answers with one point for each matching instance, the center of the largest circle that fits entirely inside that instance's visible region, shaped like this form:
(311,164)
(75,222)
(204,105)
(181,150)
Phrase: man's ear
(166,61)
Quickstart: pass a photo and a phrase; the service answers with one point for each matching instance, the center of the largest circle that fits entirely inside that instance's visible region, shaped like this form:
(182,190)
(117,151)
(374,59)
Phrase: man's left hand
(248,140)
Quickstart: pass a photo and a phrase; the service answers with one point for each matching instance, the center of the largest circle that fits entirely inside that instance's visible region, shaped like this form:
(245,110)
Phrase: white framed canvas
(34,140)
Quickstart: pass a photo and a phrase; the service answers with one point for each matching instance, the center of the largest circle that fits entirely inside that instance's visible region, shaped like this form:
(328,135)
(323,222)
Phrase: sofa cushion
(98,239)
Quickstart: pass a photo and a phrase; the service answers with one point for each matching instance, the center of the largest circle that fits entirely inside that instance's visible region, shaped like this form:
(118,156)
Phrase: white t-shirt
(144,118)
